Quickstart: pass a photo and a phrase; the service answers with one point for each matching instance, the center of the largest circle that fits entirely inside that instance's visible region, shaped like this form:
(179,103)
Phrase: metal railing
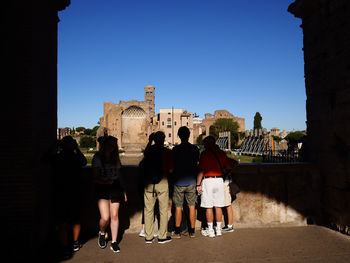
(282,156)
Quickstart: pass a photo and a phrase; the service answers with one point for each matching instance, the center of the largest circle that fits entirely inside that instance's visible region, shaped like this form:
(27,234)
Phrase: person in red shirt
(210,184)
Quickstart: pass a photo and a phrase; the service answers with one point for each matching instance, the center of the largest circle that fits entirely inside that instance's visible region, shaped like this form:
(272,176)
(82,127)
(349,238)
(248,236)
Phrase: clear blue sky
(201,55)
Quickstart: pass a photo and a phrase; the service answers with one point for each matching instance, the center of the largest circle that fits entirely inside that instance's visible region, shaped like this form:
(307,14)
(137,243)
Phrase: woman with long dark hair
(109,189)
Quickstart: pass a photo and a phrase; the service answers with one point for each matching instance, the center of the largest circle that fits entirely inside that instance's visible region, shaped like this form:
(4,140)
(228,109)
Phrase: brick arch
(134,112)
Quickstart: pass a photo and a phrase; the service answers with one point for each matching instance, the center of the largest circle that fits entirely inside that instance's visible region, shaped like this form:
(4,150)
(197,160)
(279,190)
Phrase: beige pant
(161,192)
(227,195)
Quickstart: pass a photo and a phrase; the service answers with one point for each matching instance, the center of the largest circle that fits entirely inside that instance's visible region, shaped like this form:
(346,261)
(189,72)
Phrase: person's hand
(199,189)
(125,197)
(151,137)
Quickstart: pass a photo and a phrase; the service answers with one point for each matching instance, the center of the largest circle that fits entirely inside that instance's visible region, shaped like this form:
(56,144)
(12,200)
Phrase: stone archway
(134,129)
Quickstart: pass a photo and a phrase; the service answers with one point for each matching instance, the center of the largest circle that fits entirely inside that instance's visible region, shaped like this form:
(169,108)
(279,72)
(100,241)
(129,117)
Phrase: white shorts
(213,193)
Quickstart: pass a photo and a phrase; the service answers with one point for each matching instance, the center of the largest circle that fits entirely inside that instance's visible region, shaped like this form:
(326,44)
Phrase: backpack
(153,166)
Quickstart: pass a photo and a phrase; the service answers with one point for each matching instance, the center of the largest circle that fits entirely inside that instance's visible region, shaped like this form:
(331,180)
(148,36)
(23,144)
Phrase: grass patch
(88,150)
(88,159)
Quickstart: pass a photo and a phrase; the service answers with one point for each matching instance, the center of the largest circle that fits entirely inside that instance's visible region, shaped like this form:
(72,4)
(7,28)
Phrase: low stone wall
(275,194)
(271,194)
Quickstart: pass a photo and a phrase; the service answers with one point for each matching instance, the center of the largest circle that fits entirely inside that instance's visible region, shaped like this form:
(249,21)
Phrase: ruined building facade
(210,119)
(130,121)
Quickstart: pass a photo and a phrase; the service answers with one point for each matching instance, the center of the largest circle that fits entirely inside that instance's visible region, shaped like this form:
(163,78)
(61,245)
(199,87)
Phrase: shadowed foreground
(277,244)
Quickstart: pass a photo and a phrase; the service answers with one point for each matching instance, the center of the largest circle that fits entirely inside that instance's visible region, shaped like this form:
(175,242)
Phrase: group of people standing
(192,176)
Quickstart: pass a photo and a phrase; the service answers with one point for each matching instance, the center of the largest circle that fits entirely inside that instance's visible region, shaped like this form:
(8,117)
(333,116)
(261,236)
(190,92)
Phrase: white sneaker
(142,233)
(204,232)
(218,232)
(211,233)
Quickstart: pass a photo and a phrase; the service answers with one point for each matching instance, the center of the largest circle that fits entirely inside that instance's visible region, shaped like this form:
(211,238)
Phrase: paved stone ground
(309,244)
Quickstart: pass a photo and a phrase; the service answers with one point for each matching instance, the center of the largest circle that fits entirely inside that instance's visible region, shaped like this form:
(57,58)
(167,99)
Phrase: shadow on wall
(278,194)
(271,194)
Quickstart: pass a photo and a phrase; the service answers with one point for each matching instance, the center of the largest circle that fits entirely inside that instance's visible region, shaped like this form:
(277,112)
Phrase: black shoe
(227,229)
(191,232)
(149,241)
(114,247)
(66,253)
(76,246)
(164,240)
(102,240)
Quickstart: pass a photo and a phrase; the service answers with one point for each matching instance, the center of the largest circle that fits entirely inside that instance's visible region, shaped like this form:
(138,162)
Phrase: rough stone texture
(326,28)
(271,195)
(130,121)
(277,194)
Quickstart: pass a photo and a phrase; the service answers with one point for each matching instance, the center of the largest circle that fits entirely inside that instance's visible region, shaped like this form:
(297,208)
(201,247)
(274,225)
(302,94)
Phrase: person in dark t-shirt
(186,157)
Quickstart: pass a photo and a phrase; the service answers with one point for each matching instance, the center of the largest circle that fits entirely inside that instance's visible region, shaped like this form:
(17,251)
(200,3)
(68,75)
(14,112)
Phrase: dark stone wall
(326,28)
(29,113)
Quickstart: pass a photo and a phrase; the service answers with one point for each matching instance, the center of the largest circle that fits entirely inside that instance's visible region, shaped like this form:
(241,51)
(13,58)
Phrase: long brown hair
(114,154)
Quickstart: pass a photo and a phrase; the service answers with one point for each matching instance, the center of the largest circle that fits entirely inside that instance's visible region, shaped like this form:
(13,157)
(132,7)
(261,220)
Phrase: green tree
(200,138)
(221,125)
(87,141)
(94,130)
(292,139)
(88,131)
(257,121)
(79,129)
(294,136)
(276,138)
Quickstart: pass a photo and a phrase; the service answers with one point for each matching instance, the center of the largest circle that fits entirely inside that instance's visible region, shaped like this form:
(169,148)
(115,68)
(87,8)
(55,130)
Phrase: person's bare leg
(103,206)
(114,210)
(178,216)
(209,215)
(218,214)
(229,215)
(192,215)
(76,231)
(63,235)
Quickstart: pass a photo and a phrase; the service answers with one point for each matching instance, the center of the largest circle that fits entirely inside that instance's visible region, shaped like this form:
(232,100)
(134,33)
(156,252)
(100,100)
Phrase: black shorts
(113,192)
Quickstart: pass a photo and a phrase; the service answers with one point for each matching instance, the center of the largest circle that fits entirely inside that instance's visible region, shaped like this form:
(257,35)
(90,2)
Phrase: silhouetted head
(159,138)
(208,141)
(108,144)
(68,143)
(109,147)
(184,133)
